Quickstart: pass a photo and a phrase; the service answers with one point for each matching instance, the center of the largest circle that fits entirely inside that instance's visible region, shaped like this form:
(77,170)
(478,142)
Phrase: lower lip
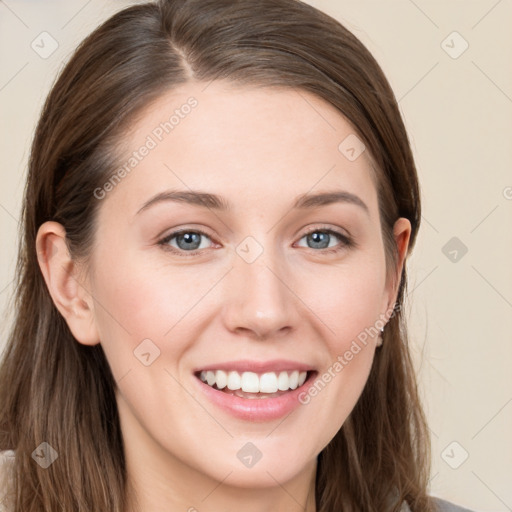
(257,409)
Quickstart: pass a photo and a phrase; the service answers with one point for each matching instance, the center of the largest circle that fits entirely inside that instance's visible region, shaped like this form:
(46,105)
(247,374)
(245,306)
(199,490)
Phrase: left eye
(185,240)
(319,238)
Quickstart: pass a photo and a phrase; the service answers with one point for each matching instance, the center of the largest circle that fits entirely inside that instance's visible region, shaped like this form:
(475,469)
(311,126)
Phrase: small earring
(379,339)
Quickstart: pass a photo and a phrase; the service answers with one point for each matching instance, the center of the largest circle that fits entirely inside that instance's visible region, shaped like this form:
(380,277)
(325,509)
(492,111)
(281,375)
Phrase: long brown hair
(56,390)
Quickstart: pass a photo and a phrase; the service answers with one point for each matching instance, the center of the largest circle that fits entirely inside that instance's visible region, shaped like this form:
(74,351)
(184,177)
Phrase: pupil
(189,238)
(316,236)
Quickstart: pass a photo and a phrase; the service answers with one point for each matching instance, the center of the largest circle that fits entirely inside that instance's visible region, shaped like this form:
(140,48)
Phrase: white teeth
(210,378)
(294,379)
(234,381)
(283,382)
(251,382)
(221,379)
(268,383)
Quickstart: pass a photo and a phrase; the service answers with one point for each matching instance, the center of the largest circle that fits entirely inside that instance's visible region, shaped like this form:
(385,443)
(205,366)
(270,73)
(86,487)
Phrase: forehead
(244,143)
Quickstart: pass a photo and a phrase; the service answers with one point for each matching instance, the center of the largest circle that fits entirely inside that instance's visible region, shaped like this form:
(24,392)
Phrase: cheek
(139,298)
(143,320)
(348,308)
(347,299)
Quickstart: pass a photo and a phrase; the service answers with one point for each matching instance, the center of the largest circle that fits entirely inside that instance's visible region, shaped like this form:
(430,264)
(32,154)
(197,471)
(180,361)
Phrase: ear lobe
(60,273)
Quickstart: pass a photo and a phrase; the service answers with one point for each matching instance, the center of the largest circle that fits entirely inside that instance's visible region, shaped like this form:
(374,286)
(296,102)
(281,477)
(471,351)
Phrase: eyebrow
(215,202)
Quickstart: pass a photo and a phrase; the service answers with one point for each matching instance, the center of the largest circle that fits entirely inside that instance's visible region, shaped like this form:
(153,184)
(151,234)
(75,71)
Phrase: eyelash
(347,242)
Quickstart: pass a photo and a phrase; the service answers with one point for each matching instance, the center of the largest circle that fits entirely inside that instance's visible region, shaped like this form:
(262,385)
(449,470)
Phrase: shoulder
(6,461)
(447,506)
(441,506)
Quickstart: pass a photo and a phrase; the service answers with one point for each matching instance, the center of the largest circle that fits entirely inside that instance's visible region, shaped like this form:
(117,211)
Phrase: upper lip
(240,366)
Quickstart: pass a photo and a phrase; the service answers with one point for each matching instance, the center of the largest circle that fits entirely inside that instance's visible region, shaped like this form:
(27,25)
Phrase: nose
(260,302)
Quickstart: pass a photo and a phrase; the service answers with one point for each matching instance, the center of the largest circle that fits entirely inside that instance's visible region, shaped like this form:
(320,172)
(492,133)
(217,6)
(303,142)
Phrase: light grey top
(7,456)
(447,506)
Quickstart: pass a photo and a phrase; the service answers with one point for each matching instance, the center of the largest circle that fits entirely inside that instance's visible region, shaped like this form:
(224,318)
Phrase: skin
(259,149)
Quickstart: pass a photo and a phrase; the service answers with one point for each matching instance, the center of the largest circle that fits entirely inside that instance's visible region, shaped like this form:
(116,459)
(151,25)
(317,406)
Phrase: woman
(220,202)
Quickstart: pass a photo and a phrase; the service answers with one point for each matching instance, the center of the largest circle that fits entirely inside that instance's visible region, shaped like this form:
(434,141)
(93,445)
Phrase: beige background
(459,115)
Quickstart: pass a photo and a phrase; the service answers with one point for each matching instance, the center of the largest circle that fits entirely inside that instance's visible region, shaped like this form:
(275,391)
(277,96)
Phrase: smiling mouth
(253,385)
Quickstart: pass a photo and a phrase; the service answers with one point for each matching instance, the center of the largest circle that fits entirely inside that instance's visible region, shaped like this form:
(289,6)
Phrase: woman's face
(270,286)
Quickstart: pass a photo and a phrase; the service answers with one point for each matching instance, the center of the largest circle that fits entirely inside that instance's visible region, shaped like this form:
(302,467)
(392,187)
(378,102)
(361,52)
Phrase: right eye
(188,242)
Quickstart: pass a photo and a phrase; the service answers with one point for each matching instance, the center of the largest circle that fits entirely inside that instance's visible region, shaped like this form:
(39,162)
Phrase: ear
(61,274)
(402,236)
